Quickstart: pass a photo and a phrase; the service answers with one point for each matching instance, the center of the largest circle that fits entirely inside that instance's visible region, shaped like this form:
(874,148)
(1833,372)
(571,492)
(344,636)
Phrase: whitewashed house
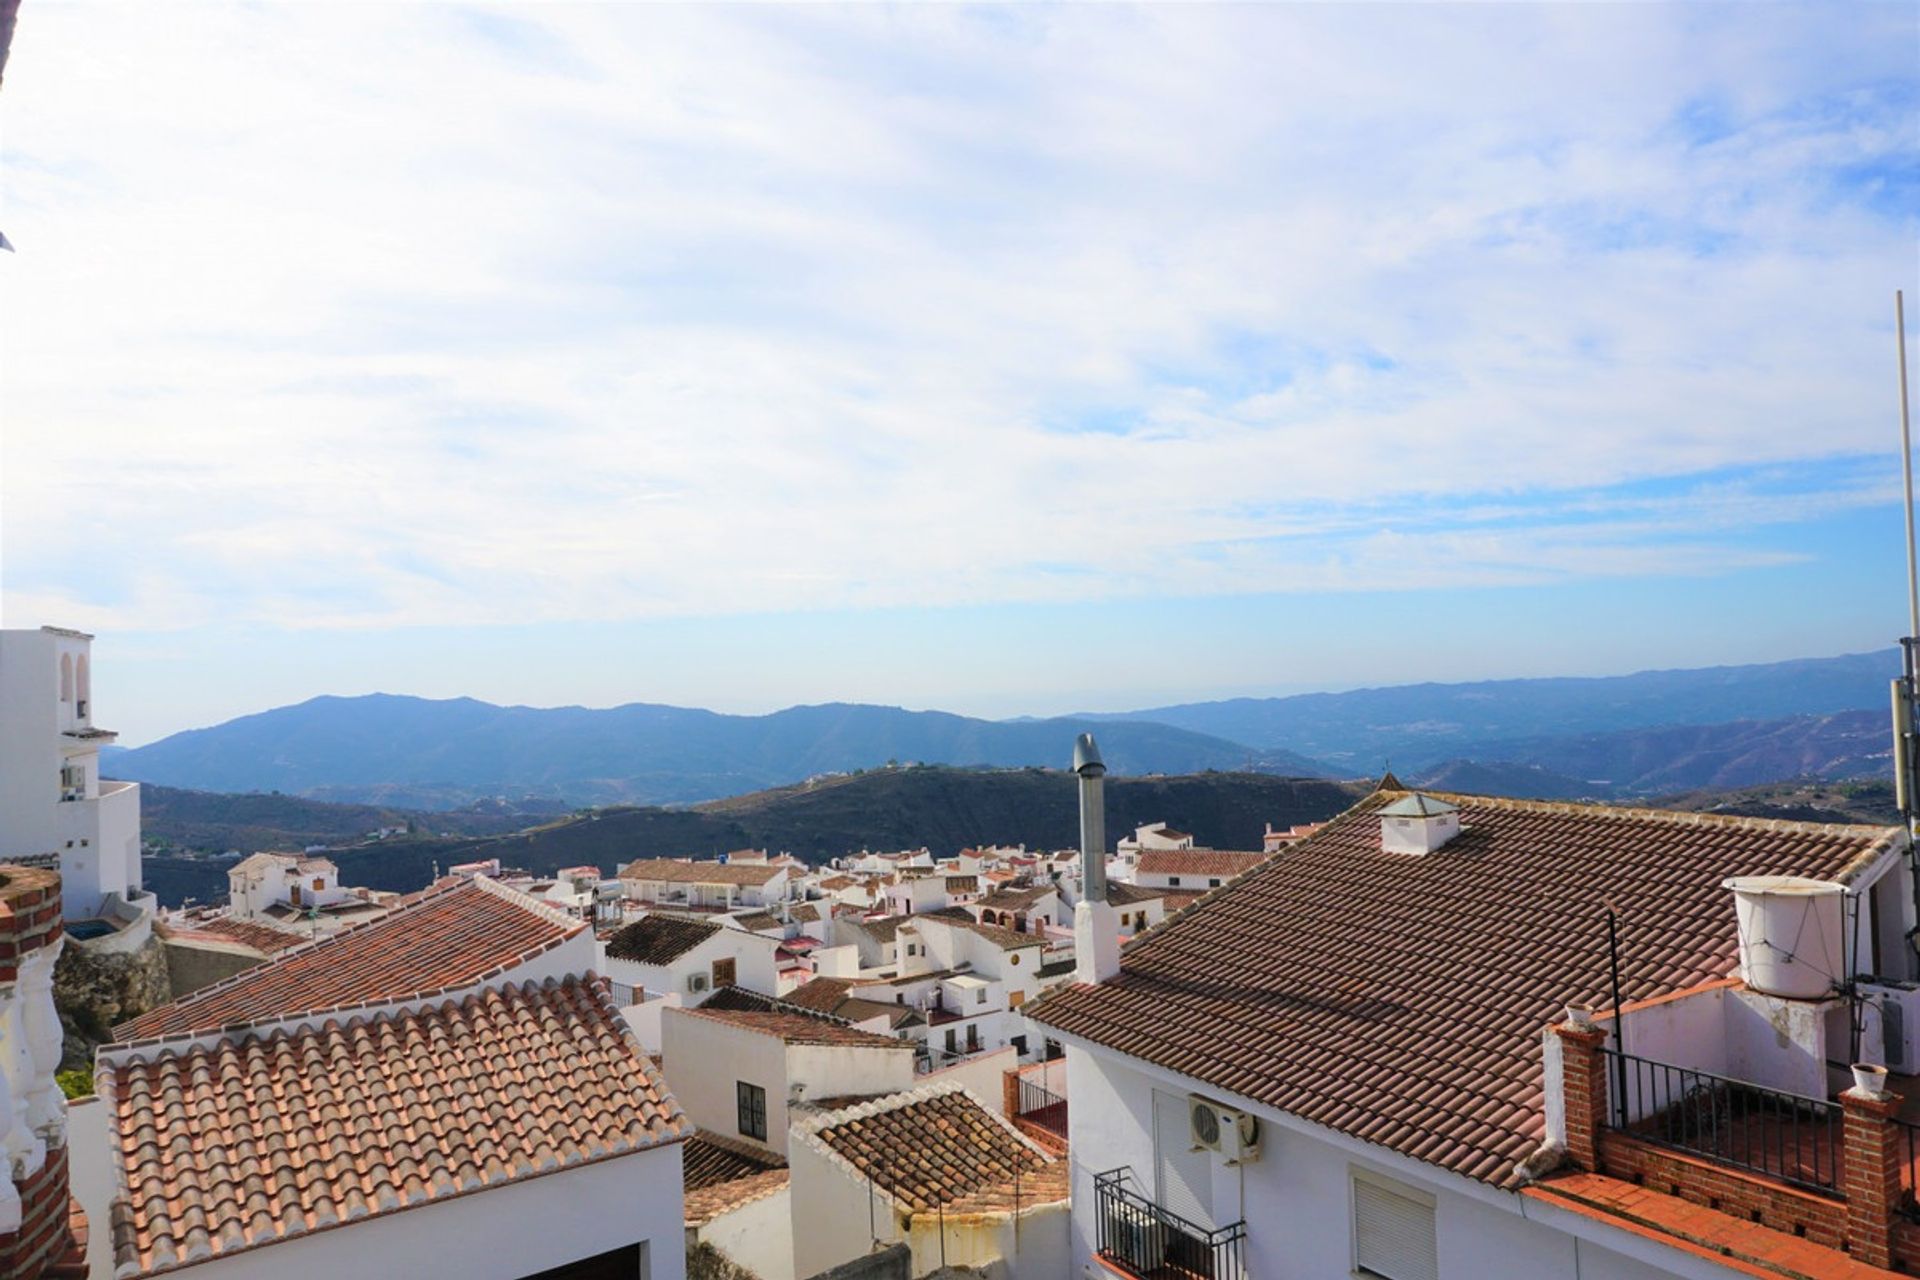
(741,1072)
(342,1110)
(934,1168)
(1340,1063)
(53,805)
(712,886)
(661,955)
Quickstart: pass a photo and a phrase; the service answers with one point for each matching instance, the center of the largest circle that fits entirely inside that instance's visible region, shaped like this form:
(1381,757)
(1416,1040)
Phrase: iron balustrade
(1042,1106)
(1156,1244)
(1786,1136)
(1909,1147)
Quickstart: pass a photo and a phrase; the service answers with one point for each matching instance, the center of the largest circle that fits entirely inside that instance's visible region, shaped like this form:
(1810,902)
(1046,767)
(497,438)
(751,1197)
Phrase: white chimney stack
(1096,929)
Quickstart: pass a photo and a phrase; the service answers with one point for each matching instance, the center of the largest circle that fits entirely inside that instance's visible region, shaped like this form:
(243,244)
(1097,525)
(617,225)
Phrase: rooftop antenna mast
(1906,690)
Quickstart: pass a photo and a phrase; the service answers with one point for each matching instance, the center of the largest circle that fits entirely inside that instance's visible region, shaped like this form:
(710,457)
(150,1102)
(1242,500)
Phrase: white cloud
(372,315)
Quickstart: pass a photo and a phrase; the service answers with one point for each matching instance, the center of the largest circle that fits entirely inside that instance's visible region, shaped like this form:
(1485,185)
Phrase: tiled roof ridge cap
(732,1018)
(780,1006)
(527,902)
(1671,817)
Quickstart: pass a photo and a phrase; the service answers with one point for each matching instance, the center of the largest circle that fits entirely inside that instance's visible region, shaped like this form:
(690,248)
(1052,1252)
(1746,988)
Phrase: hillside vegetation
(945,809)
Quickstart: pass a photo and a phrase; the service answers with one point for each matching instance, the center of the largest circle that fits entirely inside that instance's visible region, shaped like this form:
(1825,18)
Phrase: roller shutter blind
(1393,1234)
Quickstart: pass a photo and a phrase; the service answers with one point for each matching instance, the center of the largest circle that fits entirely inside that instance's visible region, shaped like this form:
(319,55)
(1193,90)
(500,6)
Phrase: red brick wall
(1821,1219)
(29,914)
(30,920)
(44,1228)
(1906,1246)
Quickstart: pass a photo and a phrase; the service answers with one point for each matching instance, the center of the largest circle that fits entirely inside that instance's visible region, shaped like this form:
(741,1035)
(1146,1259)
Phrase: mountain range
(445,753)
(1635,735)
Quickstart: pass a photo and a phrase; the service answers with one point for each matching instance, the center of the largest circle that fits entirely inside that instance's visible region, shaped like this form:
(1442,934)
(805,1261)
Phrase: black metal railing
(1155,1244)
(1042,1106)
(1782,1135)
(1907,1134)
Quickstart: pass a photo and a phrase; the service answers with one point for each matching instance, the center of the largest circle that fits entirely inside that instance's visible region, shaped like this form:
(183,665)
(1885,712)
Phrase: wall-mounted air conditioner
(1233,1135)
(1892,1010)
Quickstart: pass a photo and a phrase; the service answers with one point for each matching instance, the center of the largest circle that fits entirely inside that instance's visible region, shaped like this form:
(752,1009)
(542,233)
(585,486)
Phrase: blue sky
(1007,360)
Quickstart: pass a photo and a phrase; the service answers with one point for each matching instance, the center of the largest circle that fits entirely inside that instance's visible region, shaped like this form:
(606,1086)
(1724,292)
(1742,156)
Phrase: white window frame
(1356,1176)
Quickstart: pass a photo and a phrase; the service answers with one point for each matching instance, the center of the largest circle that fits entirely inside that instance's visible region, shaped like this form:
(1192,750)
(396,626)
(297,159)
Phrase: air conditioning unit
(1137,1240)
(1891,1016)
(1233,1135)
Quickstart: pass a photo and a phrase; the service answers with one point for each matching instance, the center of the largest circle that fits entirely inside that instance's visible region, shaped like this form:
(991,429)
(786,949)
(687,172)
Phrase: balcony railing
(1043,1106)
(1782,1135)
(1153,1243)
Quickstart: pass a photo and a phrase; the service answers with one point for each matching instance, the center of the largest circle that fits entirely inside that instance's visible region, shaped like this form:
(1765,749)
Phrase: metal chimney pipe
(1093,818)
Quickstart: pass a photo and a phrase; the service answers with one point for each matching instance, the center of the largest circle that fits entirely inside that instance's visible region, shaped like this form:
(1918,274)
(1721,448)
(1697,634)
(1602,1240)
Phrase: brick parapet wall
(29,915)
(1871,1167)
(30,922)
(46,1234)
(1821,1219)
(1584,1091)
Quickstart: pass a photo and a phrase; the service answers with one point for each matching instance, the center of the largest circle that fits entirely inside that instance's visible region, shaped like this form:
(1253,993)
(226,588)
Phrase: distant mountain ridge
(1419,726)
(450,752)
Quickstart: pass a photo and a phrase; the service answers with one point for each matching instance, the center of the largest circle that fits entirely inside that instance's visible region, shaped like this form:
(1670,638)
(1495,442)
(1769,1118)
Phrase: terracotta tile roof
(755,921)
(930,1148)
(879,928)
(708,1159)
(741,874)
(1335,966)
(807,913)
(797,1027)
(1122,894)
(820,993)
(450,935)
(1005,939)
(703,1206)
(1016,899)
(740,999)
(1198,862)
(264,938)
(658,939)
(257,1139)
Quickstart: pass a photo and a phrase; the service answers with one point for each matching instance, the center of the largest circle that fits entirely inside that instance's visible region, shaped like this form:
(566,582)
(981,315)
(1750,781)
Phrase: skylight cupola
(1418,824)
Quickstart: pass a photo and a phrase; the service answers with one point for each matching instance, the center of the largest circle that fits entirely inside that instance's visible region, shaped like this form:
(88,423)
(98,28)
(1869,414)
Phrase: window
(1213,883)
(723,972)
(953,1040)
(1015,999)
(1393,1234)
(318,884)
(979,995)
(1174,881)
(752,1100)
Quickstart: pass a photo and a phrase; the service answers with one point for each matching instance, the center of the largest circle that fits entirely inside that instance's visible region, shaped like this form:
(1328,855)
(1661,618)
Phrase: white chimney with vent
(1096,927)
(1418,824)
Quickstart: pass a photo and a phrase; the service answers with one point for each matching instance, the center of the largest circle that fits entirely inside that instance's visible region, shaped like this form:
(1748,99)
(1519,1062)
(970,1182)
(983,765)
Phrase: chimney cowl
(1086,757)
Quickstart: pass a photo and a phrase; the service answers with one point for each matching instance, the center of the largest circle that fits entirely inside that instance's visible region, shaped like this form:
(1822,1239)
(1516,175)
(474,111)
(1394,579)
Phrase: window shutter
(1393,1234)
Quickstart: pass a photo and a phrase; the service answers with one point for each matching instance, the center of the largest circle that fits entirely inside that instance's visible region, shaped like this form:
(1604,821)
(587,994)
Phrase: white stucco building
(1335,1065)
(52,801)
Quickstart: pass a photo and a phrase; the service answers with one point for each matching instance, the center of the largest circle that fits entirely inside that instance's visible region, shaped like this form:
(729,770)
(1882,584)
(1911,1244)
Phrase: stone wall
(93,992)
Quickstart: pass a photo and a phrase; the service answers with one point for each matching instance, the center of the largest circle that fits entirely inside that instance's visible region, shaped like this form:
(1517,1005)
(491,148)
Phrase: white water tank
(1790,935)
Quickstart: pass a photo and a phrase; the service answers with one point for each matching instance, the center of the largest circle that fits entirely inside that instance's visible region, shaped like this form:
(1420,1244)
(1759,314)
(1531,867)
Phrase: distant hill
(1849,744)
(217,821)
(1797,800)
(458,750)
(945,809)
(1503,778)
(1422,725)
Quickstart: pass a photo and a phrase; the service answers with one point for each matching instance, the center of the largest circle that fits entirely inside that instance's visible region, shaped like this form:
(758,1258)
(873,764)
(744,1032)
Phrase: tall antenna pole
(1906,466)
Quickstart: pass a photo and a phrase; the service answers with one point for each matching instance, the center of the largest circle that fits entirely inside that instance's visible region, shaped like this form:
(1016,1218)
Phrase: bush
(77,1083)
